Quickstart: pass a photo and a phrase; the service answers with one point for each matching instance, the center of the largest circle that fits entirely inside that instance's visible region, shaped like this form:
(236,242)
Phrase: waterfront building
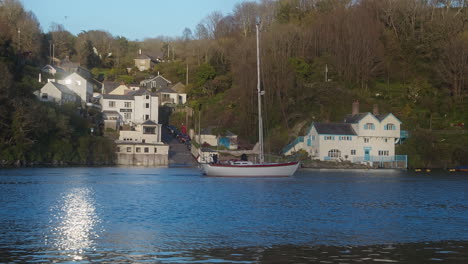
(134,107)
(141,146)
(360,138)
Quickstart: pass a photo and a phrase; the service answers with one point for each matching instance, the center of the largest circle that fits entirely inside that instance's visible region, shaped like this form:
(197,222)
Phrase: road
(179,155)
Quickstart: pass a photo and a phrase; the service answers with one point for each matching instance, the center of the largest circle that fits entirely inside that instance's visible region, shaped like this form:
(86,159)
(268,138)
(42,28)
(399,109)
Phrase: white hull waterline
(256,170)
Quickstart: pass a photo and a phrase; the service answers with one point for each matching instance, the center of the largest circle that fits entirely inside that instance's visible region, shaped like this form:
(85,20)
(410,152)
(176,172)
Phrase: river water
(176,215)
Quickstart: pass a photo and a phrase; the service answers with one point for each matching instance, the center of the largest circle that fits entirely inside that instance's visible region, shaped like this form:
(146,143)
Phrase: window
(146,117)
(44,96)
(147,96)
(366,140)
(353,152)
(328,137)
(146,105)
(369,126)
(347,138)
(111,103)
(143,141)
(146,150)
(389,126)
(386,140)
(129,149)
(128,104)
(334,153)
(127,115)
(155,150)
(383,153)
(149,130)
(138,150)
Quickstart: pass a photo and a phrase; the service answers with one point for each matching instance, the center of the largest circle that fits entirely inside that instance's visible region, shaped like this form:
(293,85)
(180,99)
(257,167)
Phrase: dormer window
(369,126)
(389,127)
(147,96)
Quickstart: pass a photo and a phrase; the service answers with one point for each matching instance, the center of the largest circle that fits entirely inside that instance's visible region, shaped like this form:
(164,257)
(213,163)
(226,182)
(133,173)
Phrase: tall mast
(259,94)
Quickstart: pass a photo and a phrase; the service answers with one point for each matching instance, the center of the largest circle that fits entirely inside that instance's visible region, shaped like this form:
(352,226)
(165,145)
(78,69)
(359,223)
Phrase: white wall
(120,104)
(141,110)
(80,86)
(55,95)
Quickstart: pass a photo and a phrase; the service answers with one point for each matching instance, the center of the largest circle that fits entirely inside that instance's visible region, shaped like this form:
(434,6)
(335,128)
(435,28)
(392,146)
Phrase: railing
(291,145)
(404,134)
(382,159)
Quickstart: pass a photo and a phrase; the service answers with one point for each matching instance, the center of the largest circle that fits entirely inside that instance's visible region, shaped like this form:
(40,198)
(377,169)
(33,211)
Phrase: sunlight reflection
(75,222)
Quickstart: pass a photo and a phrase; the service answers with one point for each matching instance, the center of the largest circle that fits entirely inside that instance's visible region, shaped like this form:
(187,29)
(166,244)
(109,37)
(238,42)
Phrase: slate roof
(354,118)
(110,86)
(117,97)
(158,77)
(166,90)
(149,123)
(56,68)
(334,129)
(62,88)
(146,57)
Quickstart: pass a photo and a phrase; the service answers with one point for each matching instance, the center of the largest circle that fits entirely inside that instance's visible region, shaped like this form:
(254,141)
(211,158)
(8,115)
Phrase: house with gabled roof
(52,69)
(57,93)
(361,138)
(155,83)
(79,84)
(145,62)
(108,87)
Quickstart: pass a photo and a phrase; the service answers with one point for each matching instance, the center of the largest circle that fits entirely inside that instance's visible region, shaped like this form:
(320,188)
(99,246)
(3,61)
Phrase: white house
(362,137)
(142,146)
(169,96)
(58,93)
(135,107)
(80,85)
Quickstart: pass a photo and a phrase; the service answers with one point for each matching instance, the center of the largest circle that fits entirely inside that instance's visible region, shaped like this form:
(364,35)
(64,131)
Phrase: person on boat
(244,157)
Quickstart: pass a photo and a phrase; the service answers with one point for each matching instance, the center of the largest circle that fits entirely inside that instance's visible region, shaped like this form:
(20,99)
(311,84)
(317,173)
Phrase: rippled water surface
(177,215)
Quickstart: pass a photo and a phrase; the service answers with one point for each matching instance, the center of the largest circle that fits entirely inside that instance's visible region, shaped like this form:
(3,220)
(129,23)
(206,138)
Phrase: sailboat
(247,168)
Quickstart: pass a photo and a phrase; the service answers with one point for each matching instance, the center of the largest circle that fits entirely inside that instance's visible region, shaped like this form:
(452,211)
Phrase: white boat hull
(256,170)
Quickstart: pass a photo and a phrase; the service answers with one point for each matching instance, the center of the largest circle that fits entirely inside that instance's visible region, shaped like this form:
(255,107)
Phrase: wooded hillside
(408,56)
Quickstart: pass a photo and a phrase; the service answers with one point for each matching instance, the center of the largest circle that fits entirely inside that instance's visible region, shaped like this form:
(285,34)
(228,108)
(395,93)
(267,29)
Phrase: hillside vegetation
(408,56)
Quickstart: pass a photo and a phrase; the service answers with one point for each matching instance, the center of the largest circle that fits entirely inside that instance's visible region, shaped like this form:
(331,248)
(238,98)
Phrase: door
(366,154)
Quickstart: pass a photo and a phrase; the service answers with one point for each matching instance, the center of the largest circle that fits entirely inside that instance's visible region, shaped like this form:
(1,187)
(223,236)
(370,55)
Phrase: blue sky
(134,19)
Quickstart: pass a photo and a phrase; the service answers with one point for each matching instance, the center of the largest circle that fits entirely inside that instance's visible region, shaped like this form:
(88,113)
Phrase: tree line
(32,132)
(408,56)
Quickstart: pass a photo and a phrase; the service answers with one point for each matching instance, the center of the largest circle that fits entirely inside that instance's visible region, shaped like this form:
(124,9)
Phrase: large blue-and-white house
(361,138)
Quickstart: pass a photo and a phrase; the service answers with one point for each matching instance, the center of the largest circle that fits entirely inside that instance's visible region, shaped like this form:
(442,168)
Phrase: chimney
(40,79)
(355,108)
(375,110)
